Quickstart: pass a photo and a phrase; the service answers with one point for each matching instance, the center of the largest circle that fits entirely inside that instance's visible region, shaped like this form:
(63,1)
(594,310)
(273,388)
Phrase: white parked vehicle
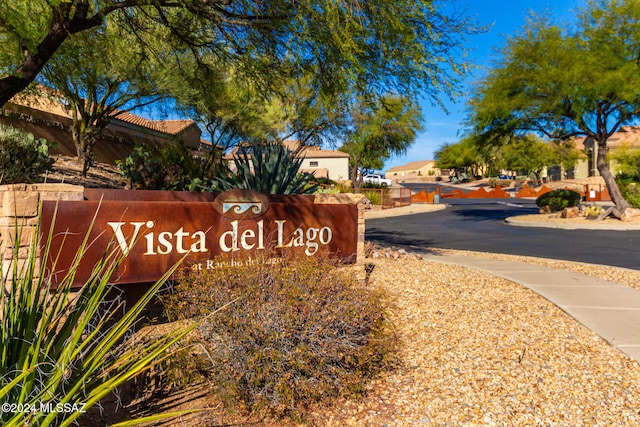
(376,179)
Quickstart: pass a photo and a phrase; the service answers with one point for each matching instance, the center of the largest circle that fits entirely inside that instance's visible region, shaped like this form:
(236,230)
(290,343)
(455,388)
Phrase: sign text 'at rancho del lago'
(153,230)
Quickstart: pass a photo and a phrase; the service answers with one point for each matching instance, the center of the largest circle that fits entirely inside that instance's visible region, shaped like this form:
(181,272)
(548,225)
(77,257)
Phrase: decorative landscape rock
(630,214)
(572,212)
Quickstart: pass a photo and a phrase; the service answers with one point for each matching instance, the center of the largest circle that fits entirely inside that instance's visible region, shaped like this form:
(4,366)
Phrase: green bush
(171,167)
(374,197)
(557,200)
(495,182)
(23,159)
(373,185)
(630,188)
(302,331)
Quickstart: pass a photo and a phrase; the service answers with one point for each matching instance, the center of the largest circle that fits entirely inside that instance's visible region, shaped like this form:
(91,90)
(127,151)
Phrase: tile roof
(306,153)
(318,153)
(55,105)
(627,135)
(314,152)
(171,127)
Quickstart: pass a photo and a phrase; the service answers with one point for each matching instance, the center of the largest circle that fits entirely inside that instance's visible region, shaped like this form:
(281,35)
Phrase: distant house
(332,164)
(422,170)
(50,118)
(628,136)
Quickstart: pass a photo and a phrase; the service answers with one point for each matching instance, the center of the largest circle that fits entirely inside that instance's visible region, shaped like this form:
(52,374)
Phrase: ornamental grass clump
(61,352)
(302,331)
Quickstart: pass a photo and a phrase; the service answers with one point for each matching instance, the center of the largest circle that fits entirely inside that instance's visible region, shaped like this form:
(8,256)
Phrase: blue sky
(505,17)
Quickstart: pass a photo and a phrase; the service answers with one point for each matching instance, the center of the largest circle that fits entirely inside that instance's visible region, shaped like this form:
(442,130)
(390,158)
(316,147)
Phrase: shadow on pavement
(397,239)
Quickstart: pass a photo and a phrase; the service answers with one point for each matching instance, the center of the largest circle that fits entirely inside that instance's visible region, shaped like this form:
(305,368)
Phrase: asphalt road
(478,225)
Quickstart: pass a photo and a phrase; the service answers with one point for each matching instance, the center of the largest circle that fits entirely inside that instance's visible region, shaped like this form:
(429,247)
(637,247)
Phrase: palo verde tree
(101,74)
(234,110)
(302,111)
(343,43)
(380,130)
(230,107)
(566,81)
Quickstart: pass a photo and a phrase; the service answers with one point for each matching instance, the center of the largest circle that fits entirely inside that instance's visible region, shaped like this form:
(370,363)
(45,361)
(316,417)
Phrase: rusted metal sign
(154,235)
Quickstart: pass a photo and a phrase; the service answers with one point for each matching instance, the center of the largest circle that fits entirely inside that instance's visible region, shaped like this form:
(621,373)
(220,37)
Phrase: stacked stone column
(360,200)
(19,208)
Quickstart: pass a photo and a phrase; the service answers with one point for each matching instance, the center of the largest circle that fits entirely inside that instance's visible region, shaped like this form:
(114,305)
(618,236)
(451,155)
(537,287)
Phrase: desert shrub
(170,167)
(592,211)
(344,187)
(22,157)
(300,332)
(373,185)
(496,182)
(61,350)
(267,168)
(326,186)
(375,196)
(557,200)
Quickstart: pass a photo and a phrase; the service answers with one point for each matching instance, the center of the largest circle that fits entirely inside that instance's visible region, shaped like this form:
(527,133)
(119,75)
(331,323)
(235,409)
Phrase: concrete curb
(415,208)
(513,220)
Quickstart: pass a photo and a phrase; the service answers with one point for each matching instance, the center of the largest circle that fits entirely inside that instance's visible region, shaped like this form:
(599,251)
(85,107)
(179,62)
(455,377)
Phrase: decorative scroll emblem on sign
(241,204)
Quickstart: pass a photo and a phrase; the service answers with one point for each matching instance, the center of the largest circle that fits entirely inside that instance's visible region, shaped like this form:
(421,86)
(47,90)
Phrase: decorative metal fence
(388,197)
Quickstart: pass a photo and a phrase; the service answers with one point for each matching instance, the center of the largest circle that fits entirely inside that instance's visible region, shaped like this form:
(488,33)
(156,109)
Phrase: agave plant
(269,169)
(61,352)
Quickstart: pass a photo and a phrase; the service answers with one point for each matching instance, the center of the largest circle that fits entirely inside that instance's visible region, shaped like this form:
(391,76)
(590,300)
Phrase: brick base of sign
(20,206)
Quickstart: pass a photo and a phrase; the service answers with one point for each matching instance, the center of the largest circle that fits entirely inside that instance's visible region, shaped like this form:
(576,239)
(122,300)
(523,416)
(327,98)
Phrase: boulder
(630,214)
(572,212)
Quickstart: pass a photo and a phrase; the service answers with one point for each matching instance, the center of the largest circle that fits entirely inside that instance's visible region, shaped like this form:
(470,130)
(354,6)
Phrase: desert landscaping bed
(479,350)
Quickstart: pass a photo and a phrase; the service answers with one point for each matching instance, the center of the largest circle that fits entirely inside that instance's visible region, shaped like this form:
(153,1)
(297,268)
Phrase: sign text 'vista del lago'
(156,229)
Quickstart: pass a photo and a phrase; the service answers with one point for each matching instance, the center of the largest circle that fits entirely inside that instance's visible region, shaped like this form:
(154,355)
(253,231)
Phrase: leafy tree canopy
(379,131)
(408,47)
(569,80)
(100,73)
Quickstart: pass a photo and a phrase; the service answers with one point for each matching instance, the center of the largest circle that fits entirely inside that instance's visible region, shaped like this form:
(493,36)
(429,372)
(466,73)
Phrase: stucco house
(332,164)
(424,170)
(50,118)
(628,136)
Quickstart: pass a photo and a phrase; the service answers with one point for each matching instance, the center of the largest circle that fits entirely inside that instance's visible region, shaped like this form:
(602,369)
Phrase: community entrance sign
(155,230)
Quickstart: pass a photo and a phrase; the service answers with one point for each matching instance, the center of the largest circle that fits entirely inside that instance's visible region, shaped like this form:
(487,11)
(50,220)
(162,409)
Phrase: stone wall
(19,207)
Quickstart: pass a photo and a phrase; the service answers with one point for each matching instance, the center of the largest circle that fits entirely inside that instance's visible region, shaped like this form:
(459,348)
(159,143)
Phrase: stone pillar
(19,208)
(361,201)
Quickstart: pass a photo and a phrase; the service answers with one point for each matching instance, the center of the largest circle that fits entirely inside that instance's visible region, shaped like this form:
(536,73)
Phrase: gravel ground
(482,351)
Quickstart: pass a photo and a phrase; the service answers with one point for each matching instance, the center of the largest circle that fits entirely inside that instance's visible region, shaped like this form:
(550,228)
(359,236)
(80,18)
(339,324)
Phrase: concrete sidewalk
(609,309)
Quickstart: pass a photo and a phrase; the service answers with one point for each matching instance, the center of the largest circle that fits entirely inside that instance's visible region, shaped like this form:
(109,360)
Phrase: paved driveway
(478,225)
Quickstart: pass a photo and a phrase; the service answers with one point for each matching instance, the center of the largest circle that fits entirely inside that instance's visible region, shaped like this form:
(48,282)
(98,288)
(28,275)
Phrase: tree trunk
(614,190)
(84,147)
(355,180)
